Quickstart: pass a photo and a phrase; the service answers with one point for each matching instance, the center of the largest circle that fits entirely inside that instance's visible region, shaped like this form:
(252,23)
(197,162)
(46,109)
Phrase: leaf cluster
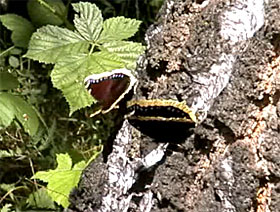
(94,46)
(68,53)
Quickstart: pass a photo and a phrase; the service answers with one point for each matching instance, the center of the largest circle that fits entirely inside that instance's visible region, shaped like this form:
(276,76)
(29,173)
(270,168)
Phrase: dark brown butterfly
(161,110)
(164,119)
(109,88)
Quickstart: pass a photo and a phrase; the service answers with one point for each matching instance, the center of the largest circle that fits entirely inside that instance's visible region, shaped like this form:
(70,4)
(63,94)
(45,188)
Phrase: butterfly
(160,110)
(109,88)
(161,118)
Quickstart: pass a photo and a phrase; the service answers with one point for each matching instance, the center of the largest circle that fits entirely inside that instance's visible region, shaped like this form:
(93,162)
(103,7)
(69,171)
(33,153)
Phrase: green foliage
(62,179)
(7,81)
(45,12)
(14,107)
(89,23)
(13,61)
(10,153)
(7,187)
(21,29)
(52,43)
(41,12)
(6,208)
(118,28)
(40,199)
(68,75)
(94,47)
(156,3)
(125,50)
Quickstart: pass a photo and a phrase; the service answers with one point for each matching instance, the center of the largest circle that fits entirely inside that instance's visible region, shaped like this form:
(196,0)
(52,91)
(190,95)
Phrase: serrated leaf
(40,199)
(21,29)
(7,81)
(126,50)
(68,75)
(46,12)
(14,107)
(62,179)
(118,28)
(89,23)
(51,44)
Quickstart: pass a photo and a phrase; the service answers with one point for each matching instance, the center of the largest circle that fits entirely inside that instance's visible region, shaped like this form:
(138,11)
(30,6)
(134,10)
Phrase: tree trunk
(222,58)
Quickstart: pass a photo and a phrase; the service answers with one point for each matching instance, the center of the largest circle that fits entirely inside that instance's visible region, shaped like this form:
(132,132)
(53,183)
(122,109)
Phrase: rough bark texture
(231,80)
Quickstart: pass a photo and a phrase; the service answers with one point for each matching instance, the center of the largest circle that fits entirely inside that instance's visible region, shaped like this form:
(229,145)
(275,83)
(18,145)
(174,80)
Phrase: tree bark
(222,58)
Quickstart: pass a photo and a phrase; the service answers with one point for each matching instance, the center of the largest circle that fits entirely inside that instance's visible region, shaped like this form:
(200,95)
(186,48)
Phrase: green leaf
(16,51)
(68,75)
(13,61)
(11,153)
(89,23)
(7,114)
(62,179)
(7,81)
(21,29)
(51,43)
(45,12)
(74,53)
(156,3)
(126,50)
(119,28)
(7,187)
(12,106)
(6,208)
(40,199)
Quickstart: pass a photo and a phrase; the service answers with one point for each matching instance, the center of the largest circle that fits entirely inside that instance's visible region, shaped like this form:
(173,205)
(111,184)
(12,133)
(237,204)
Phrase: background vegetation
(22,153)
